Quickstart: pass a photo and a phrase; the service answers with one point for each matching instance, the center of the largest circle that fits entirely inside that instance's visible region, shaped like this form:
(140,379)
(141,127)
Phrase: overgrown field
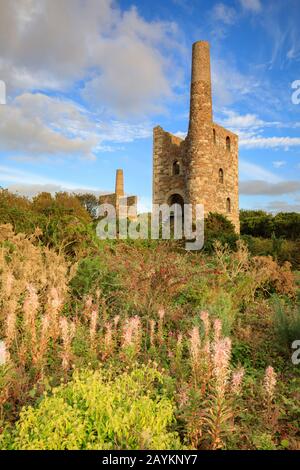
(141,345)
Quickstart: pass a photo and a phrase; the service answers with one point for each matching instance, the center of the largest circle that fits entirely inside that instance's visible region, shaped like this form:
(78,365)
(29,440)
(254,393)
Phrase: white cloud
(238,121)
(36,126)
(270,142)
(251,5)
(250,127)
(118,55)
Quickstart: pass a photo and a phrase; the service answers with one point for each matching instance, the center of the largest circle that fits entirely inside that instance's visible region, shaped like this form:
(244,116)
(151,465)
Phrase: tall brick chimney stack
(201,94)
(119,183)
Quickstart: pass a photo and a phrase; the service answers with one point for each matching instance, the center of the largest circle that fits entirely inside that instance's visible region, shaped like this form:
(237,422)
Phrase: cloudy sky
(87,80)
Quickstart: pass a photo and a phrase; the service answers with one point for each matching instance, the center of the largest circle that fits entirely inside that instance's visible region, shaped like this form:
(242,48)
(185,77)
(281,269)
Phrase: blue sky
(87,80)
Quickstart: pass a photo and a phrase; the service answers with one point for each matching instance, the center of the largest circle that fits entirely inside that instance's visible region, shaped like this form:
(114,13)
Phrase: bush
(218,227)
(261,224)
(286,323)
(96,411)
(92,274)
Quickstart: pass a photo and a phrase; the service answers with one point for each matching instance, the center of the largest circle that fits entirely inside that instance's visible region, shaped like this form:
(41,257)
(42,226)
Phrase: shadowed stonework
(202,168)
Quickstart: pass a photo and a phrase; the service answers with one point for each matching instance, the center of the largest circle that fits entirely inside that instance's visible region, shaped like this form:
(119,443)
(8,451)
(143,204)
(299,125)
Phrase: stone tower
(202,168)
(119,184)
(119,197)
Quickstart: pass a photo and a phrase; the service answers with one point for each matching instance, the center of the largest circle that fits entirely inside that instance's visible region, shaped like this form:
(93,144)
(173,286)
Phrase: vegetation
(141,345)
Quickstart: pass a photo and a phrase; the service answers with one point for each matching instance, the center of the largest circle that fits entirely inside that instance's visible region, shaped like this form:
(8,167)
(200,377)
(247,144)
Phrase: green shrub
(286,323)
(97,411)
(218,227)
(92,273)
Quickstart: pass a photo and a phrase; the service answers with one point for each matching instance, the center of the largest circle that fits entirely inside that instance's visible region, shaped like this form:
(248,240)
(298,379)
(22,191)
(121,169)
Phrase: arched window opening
(228,205)
(228,143)
(176,168)
(214,136)
(221,176)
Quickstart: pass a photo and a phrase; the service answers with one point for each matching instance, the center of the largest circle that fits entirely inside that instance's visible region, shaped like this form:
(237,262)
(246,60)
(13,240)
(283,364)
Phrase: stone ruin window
(176,168)
(228,205)
(221,176)
(228,143)
(214,136)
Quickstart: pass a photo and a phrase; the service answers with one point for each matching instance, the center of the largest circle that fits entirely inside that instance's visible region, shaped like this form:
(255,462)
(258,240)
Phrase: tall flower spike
(195,344)
(217,329)
(152,332)
(205,319)
(4,354)
(236,381)
(270,382)
(93,326)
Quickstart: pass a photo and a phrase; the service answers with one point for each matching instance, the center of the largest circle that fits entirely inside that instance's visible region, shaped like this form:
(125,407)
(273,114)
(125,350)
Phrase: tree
(89,202)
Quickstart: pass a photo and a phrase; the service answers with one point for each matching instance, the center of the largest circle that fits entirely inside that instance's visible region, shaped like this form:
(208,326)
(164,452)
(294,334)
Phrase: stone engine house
(202,168)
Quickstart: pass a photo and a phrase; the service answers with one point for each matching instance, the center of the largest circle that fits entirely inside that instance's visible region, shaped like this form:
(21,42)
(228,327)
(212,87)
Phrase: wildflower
(44,339)
(132,332)
(54,305)
(195,345)
(116,321)
(236,381)
(205,318)
(93,326)
(220,358)
(152,332)
(217,329)
(30,307)
(10,324)
(7,283)
(4,354)
(67,333)
(161,314)
(108,338)
(269,383)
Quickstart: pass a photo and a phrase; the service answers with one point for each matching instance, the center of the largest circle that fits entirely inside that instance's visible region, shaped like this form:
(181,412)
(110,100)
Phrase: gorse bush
(98,411)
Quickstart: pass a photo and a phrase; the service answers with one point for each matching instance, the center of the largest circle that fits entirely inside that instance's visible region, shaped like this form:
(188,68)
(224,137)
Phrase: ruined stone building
(119,196)
(202,168)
